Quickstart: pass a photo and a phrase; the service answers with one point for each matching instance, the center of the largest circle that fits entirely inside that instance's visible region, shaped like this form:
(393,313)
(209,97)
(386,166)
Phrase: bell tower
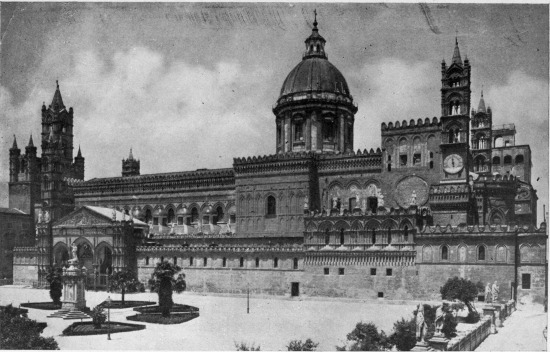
(482,121)
(455,124)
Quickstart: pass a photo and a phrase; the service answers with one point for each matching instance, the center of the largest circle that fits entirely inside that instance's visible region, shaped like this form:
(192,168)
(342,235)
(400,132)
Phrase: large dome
(315,74)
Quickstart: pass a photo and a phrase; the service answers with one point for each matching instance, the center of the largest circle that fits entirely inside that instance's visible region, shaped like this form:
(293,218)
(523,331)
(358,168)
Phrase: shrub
(17,332)
(55,280)
(404,334)
(298,345)
(243,346)
(365,337)
(98,316)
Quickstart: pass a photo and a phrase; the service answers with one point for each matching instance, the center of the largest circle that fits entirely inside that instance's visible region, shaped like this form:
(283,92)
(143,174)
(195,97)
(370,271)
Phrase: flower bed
(127,304)
(157,318)
(42,305)
(87,328)
(176,308)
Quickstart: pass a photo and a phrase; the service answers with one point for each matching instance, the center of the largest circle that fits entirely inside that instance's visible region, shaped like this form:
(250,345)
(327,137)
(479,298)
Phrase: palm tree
(164,282)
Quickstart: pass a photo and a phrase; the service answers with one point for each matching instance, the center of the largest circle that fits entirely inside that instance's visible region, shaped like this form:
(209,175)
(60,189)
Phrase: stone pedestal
(438,343)
(421,346)
(490,312)
(498,315)
(74,301)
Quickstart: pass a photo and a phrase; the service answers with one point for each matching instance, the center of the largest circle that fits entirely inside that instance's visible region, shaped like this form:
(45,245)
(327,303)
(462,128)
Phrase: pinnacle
(79,155)
(456,55)
(31,144)
(14,143)
(57,101)
(131,156)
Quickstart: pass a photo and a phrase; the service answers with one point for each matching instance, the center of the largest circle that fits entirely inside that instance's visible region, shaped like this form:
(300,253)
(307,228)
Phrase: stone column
(287,141)
(308,132)
(341,128)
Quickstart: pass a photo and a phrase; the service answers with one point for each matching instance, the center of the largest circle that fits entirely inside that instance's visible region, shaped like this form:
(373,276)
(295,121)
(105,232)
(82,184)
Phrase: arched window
(241,262)
(205,261)
(147,260)
(148,216)
(298,131)
(276,262)
(224,262)
(507,159)
(175,260)
(519,159)
(342,237)
(171,215)
(481,253)
(295,266)
(329,130)
(327,237)
(496,160)
(373,236)
(219,215)
(194,215)
(444,253)
(406,233)
(271,206)
(389,235)
(257,262)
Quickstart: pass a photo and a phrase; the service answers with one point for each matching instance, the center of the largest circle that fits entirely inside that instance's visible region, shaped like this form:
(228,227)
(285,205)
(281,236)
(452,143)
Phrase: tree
(243,346)
(17,332)
(98,316)
(365,337)
(164,282)
(404,334)
(55,279)
(124,280)
(462,290)
(298,345)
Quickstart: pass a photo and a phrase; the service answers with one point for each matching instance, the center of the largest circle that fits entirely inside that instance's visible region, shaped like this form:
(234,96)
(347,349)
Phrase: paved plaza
(272,323)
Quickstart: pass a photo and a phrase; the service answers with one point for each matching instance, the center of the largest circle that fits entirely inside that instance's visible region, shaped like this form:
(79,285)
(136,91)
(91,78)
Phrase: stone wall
(25,268)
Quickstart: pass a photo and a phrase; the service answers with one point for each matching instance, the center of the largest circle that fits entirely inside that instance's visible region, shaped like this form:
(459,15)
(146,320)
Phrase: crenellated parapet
(449,197)
(405,126)
(482,230)
(165,182)
(276,163)
(200,248)
(370,258)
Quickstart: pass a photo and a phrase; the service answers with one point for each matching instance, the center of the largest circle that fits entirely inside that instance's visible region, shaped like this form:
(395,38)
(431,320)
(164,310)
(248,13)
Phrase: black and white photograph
(274,176)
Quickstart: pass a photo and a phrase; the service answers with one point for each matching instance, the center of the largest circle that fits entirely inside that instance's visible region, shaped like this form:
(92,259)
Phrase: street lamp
(108,317)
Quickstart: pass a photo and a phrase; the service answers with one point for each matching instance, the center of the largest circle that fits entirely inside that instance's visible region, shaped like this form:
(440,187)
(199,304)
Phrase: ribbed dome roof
(315,74)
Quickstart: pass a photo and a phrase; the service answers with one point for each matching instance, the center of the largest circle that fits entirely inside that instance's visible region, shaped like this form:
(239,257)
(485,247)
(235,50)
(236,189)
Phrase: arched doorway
(60,254)
(86,256)
(104,259)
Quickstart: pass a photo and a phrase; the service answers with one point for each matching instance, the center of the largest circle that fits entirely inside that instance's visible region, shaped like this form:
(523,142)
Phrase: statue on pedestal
(488,293)
(74,250)
(421,326)
(439,321)
(413,198)
(46,216)
(40,216)
(495,290)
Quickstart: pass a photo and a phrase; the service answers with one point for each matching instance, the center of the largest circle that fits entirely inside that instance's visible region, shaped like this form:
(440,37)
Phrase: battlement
(482,230)
(411,124)
(25,249)
(220,248)
(497,178)
(335,215)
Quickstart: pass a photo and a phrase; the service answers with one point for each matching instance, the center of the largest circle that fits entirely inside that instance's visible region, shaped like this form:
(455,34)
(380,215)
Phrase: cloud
(175,115)
(393,90)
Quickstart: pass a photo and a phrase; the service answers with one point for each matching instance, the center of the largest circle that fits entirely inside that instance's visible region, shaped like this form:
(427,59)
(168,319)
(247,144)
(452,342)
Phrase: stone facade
(441,197)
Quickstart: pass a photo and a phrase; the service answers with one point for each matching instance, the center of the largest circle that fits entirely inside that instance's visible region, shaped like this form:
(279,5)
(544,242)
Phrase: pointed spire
(315,20)
(14,143)
(481,106)
(131,156)
(456,55)
(57,101)
(79,154)
(31,144)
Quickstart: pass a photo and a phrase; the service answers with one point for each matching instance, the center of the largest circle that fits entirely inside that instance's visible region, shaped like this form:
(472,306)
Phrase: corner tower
(315,110)
(130,166)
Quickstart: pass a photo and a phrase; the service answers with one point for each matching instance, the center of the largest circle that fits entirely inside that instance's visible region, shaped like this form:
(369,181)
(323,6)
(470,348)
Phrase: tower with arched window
(481,145)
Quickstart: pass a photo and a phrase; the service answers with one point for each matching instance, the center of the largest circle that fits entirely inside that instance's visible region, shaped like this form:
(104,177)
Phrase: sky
(192,85)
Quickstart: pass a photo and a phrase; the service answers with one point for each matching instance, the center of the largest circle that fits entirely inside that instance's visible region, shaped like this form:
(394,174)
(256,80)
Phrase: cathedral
(440,197)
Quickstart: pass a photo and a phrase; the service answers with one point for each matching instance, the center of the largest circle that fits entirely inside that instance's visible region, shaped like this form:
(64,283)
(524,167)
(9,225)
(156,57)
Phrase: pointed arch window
(271,210)
(148,216)
(327,237)
(406,233)
(218,215)
(496,160)
(373,236)
(194,215)
(481,253)
(507,159)
(444,253)
(342,237)
(171,215)
(389,235)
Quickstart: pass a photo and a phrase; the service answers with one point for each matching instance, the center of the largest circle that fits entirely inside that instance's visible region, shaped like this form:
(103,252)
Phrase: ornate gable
(83,217)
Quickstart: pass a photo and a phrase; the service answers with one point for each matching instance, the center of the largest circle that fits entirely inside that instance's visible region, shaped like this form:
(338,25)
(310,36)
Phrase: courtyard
(271,324)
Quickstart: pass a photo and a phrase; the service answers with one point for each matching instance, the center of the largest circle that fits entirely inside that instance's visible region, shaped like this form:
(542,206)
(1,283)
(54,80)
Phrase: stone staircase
(70,313)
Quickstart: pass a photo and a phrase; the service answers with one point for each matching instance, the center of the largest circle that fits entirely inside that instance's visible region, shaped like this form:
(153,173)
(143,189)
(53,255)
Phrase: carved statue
(495,291)
(46,216)
(488,293)
(334,202)
(380,199)
(74,249)
(357,199)
(40,215)
(439,320)
(421,326)
(413,198)
(306,202)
